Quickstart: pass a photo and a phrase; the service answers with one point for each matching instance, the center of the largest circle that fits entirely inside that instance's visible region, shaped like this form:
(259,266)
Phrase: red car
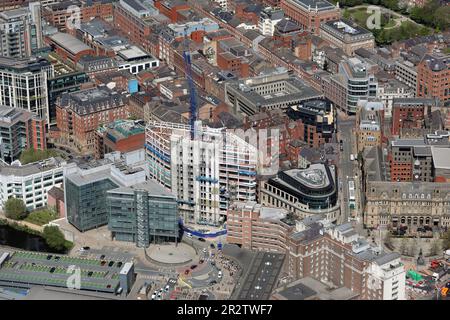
(187,271)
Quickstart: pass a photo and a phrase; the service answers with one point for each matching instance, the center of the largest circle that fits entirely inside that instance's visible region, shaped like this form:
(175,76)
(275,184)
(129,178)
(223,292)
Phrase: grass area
(387,33)
(41,217)
(31,155)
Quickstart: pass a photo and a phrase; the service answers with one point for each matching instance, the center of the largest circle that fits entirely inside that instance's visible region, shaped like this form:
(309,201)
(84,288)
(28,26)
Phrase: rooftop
(69,43)
(31,168)
(91,100)
(441,157)
(149,186)
(312,5)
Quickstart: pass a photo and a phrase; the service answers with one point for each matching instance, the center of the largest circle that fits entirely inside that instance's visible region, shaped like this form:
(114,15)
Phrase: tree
(54,238)
(15,209)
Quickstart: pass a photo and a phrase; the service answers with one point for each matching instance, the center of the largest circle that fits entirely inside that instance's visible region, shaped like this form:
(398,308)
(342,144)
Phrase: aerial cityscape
(225,150)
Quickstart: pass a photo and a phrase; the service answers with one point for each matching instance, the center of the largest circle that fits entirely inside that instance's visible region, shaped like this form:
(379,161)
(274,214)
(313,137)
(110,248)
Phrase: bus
(351,194)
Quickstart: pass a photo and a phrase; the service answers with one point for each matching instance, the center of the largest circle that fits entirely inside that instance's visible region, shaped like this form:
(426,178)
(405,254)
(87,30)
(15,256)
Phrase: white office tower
(205,173)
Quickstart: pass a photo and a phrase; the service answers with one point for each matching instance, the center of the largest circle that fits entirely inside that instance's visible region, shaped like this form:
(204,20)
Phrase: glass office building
(86,200)
(143,213)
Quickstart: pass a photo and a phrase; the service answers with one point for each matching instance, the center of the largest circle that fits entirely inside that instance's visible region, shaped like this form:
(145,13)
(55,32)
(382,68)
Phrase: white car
(189,235)
(219,274)
(153,296)
(167,288)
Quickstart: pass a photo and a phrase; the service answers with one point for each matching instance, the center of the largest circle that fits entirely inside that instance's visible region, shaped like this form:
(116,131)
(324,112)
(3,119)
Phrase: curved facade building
(303,191)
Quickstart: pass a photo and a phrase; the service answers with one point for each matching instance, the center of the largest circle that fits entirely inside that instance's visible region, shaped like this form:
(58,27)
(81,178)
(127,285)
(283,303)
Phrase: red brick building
(433,77)
(120,135)
(60,13)
(230,62)
(55,201)
(310,13)
(409,113)
(137,30)
(80,114)
(171,8)
(68,47)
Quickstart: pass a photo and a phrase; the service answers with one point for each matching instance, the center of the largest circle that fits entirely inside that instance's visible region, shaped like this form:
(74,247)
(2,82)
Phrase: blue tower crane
(192,91)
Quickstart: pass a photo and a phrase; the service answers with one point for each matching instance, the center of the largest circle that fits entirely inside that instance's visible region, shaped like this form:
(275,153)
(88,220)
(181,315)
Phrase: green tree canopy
(54,238)
(15,209)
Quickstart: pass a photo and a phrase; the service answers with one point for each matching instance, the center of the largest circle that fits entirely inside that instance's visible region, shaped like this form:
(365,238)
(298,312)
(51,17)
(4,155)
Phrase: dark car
(52,269)
(213,282)
(49,257)
(212,246)
(119,264)
(201,239)
(187,271)
(193,266)
(201,261)
(103,263)
(102,256)
(111,263)
(90,274)
(86,248)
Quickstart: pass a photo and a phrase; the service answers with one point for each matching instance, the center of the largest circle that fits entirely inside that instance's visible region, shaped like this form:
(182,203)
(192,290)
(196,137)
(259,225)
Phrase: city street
(345,126)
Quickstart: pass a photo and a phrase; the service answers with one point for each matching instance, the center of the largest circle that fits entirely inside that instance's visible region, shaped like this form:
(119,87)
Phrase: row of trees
(433,14)
(407,30)
(15,209)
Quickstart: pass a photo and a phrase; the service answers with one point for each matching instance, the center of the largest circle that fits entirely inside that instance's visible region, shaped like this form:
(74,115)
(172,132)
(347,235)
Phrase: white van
(352,157)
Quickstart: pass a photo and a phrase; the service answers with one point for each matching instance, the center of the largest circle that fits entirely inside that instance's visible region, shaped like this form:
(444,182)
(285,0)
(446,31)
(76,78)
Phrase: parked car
(220,274)
(201,239)
(212,246)
(187,271)
(189,235)
(193,266)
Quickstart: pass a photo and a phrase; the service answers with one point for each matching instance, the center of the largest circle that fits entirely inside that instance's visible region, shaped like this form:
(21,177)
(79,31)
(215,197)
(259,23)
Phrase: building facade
(80,114)
(31,182)
(20,31)
(20,130)
(256,227)
(303,192)
(310,14)
(433,73)
(23,84)
(337,255)
(86,186)
(414,203)
(142,213)
(204,173)
(347,35)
